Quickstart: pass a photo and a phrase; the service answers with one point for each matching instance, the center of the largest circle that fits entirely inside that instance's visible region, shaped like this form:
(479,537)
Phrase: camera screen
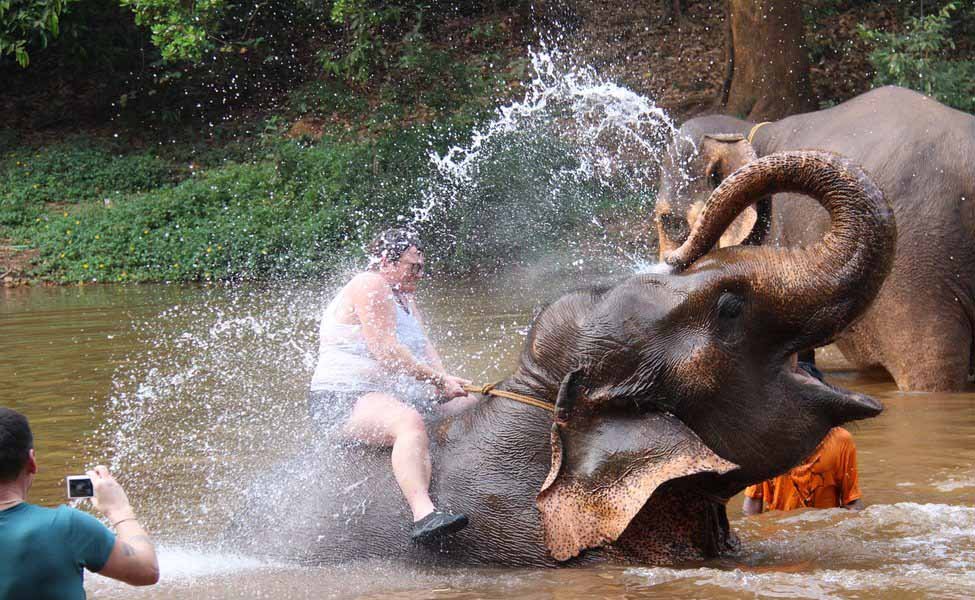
(80,488)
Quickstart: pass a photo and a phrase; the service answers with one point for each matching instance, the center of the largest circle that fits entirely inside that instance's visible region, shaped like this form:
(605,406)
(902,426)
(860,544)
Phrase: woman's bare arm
(372,302)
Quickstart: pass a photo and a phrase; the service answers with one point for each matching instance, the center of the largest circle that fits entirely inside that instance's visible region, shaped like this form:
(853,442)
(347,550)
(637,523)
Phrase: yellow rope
(751,134)
(488,390)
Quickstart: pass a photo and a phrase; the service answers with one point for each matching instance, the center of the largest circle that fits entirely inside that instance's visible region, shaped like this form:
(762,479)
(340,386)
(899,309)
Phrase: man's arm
(752,506)
(754,499)
(133,558)
(848,475)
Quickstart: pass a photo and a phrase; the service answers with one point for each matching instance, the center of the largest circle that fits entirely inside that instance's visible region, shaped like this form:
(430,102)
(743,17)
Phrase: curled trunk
(818,291)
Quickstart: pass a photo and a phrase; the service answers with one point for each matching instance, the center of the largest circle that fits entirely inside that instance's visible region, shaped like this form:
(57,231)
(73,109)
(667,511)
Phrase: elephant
(663,395)
(921,154)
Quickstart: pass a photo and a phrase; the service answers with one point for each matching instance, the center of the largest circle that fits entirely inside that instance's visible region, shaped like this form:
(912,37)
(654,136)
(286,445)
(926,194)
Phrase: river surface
(190,392)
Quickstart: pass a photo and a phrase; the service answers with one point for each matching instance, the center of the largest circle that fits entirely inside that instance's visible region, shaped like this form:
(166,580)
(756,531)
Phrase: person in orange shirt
(827,479)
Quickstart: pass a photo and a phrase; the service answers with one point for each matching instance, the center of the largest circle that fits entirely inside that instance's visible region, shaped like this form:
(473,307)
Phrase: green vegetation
(243,200)
(70,173)
(916,58)
(28,23)
(294,212)
(295,209)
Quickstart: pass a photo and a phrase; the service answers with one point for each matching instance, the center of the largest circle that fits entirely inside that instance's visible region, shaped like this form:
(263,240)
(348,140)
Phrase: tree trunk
(673,9)
(767,74)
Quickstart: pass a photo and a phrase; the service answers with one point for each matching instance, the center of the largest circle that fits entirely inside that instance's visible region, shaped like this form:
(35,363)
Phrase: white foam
(824,584)
(177,562)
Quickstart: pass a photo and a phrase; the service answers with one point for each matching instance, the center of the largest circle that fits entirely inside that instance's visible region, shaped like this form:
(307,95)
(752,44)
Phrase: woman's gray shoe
(437,524)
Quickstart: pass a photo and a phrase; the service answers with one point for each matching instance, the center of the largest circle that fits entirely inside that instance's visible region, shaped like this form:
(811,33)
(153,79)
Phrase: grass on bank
(97,216)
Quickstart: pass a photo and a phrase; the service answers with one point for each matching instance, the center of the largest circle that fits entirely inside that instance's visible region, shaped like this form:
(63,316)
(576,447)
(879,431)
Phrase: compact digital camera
(80,486)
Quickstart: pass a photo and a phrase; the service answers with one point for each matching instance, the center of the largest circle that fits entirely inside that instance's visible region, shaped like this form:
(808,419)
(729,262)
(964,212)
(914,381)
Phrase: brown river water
(189,393)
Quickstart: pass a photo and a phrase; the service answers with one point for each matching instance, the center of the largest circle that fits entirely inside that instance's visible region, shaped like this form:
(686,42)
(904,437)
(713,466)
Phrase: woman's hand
(452,387)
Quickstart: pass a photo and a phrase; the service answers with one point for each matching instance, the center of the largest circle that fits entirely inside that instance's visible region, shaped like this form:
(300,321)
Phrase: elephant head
(691,172)
(681,384)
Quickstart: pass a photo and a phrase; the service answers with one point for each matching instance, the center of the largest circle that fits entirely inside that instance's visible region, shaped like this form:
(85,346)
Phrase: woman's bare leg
(382,420)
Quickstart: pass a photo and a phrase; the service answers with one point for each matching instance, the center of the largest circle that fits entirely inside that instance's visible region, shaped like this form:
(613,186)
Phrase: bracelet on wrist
(120,521)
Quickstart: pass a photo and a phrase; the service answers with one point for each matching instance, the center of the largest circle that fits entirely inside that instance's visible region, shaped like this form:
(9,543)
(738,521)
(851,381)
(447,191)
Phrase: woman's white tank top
(346,365)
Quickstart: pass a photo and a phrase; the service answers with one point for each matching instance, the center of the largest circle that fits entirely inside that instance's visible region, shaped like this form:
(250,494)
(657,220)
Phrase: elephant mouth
(841,405)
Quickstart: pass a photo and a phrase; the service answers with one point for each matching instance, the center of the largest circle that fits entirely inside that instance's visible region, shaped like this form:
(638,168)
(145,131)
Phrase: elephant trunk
(813,292)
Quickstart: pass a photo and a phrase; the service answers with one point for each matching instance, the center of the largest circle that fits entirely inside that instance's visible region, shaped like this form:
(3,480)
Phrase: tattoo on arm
(126,546)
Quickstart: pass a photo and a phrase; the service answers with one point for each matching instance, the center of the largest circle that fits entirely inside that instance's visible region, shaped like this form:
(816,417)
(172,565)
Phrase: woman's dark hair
(391,244)
(16,440)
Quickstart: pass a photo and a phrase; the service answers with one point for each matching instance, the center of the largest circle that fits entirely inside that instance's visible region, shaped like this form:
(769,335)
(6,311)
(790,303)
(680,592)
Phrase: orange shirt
(828,478)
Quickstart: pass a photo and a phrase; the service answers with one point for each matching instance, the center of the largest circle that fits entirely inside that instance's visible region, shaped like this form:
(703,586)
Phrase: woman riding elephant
(378,373)
(666,395)
(920,153)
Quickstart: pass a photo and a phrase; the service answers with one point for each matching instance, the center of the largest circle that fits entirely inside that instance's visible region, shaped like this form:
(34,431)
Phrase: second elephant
(922,155)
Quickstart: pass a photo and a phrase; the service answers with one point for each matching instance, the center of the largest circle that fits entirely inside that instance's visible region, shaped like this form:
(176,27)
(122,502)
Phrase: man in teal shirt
(44,550)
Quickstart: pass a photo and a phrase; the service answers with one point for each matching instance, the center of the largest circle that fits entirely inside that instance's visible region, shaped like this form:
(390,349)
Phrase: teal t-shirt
(44,551)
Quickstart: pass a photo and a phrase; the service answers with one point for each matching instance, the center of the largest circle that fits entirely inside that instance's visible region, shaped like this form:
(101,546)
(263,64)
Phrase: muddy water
(190,392)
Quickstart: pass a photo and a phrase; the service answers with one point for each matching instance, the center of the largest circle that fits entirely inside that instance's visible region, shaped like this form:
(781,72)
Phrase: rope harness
(751,134)
(488,390)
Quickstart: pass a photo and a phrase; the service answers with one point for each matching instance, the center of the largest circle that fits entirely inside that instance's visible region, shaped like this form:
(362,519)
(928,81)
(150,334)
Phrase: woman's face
(407,271)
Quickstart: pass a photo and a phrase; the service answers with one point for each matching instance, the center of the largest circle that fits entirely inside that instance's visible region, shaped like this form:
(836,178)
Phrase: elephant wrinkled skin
(921,155)
(672,393)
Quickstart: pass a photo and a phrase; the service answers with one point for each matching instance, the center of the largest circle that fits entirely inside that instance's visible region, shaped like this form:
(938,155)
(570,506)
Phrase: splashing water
(569,169)
(931,552)
(591,110)
(217,399)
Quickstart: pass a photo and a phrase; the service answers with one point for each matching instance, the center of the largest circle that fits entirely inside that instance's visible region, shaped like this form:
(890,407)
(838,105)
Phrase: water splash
(570,168)
(922,549)
(216,396)
(591,110)
(216,400)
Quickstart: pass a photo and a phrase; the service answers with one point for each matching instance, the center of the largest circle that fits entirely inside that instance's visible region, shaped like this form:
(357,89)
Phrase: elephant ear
(729,152)
(605,468)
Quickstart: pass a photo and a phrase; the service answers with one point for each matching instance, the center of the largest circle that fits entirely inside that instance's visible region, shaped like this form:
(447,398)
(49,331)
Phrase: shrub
(23,24)
(72,173)
(917,59)
(294,215)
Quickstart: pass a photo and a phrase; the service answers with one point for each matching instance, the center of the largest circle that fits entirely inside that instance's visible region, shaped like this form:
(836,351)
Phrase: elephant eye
(730,305)
(675,227)
(714,178)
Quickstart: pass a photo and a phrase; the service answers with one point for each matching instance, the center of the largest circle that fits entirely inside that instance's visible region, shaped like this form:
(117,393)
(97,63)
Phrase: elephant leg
(936,363)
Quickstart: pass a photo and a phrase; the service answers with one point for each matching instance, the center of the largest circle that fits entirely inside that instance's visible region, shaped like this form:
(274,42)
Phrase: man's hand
(133,558)
(452,387)
(110,498)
